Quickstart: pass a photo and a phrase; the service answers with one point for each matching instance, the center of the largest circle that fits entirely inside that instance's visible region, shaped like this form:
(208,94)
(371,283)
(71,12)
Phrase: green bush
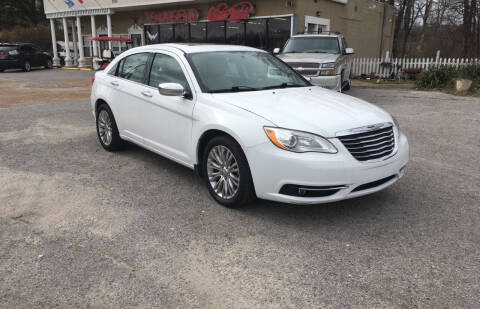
(442,76)
(437,77)
(470,71)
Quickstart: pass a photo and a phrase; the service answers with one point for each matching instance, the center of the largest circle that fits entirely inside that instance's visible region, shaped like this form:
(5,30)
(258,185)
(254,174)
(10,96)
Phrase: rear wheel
(27,67)
(226,172)
(107,130)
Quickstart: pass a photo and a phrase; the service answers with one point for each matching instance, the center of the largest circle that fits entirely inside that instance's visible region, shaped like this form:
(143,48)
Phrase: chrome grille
(370,145)
(305,68)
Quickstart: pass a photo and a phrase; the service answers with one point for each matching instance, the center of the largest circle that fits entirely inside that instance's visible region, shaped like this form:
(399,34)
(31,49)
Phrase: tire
(1,70)
(219,149)
(49,64)
(27,67)
(107,130)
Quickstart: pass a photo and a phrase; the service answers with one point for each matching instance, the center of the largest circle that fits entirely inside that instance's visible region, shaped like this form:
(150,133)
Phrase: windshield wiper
(283,85)
(235,89)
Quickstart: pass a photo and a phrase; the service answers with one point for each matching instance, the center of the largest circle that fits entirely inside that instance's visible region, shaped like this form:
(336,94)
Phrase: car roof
(189,48)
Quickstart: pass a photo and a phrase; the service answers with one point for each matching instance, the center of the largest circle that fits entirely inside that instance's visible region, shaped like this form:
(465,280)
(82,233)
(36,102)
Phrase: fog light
(302,192)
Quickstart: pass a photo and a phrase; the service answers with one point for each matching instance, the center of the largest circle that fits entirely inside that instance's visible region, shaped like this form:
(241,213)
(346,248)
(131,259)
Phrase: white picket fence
(385,66)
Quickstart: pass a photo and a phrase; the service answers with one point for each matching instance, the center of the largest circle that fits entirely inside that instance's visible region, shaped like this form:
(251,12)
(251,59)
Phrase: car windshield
(235,71)
(328,45)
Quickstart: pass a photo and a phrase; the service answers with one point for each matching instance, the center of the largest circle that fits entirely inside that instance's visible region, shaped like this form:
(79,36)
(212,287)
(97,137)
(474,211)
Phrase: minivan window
(165,69)
(134,67)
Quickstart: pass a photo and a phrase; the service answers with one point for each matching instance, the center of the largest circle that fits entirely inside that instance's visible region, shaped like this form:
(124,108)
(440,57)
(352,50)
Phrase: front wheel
(226,172)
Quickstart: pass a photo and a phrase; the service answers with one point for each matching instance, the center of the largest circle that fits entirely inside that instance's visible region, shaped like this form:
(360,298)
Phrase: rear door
(126,100)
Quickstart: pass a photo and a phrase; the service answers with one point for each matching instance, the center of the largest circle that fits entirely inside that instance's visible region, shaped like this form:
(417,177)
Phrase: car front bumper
(272,168)
(329,82)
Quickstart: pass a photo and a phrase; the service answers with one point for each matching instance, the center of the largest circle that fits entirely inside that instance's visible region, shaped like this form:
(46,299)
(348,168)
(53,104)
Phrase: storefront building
(266,24)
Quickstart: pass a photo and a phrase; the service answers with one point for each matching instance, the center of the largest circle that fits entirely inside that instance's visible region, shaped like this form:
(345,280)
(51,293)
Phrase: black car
(23,56)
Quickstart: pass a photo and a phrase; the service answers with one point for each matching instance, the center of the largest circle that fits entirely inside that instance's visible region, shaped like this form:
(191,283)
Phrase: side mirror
(276,51)
(171,89)
(349,51)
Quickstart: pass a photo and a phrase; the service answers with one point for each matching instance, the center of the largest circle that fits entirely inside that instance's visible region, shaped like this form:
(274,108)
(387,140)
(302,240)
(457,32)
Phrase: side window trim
(148,71)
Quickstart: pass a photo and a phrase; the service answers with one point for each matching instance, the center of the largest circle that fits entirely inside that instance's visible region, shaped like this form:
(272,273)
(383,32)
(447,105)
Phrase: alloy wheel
(223,172)
(105,129)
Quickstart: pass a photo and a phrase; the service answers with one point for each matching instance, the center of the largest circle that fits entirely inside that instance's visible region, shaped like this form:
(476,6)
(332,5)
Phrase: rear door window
(134,67)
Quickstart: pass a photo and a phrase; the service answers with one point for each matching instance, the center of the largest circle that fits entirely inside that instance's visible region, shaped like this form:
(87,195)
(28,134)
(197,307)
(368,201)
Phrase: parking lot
(81,227)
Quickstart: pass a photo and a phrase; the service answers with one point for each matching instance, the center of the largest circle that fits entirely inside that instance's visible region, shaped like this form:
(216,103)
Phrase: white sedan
(247,123)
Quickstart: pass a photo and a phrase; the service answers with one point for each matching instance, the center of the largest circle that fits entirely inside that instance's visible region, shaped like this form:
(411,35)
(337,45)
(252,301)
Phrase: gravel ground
(83,228)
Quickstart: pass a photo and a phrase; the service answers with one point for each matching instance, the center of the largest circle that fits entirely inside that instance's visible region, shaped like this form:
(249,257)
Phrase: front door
(167,120)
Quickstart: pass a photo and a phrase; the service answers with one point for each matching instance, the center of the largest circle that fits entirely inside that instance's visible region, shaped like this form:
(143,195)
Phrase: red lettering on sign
(172,16)
(235,13)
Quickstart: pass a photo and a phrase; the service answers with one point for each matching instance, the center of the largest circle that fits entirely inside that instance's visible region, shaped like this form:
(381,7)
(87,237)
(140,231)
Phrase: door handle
(114,83)
(147,94)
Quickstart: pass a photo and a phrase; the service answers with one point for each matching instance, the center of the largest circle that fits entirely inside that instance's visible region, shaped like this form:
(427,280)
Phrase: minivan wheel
(107,130)
(27,67)
(226,172)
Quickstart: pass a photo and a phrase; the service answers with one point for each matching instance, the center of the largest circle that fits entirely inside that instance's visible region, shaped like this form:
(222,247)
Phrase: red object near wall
(236,12)
(172,16)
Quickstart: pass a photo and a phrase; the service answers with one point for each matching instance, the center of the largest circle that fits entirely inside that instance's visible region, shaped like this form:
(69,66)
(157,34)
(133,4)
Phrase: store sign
(172,16)
(236,12)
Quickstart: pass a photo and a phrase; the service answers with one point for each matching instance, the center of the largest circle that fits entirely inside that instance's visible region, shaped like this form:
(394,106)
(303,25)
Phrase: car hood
(310,109)
(308,57)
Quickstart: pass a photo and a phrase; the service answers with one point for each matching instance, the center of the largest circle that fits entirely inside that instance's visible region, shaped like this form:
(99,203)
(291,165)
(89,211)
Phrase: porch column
(56,59)
(81,61)
(75,49)
(94,34)
(109,30)
(68,58)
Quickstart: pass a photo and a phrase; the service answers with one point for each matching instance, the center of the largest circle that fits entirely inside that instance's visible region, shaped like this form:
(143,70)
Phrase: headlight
(297,141)
(328,69)
(13,52)
(330,65)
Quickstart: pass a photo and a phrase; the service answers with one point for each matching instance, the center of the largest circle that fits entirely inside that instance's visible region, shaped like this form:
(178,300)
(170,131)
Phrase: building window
(256,33)
(167,34)
(151,34)
(198,32)
(216,32)
(235,33)
(278,31)
(263,33)
(137,40)
(181,33)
